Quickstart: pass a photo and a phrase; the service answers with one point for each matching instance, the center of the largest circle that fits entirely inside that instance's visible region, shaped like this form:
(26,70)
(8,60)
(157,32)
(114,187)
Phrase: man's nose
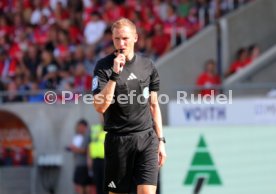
(122,42)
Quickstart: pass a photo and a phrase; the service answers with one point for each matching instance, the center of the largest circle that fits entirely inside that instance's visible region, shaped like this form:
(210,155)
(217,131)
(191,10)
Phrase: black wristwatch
(162,139)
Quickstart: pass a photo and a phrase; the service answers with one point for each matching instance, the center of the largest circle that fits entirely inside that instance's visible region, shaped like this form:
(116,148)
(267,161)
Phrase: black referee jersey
(138,78)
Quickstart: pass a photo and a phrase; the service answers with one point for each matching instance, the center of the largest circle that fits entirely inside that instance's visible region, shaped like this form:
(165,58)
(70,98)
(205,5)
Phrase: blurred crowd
(15,156)
(54,44)
(15,144)
(209,81)
(244,57)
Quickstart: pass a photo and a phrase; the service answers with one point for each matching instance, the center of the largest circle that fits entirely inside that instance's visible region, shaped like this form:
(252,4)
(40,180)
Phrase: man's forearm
(156,114)
(157,119)
(103,100)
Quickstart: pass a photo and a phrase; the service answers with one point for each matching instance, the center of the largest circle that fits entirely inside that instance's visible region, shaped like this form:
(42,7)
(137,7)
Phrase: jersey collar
(131,61)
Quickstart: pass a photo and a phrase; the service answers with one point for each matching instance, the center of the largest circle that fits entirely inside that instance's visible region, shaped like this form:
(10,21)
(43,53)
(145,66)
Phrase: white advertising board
(240,112)
(226,160)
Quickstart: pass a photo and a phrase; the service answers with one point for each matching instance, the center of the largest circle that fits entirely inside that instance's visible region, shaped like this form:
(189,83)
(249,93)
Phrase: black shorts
(81,176)
(130,160)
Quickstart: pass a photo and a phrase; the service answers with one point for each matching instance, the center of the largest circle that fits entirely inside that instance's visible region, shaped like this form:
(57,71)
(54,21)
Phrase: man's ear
(136,37)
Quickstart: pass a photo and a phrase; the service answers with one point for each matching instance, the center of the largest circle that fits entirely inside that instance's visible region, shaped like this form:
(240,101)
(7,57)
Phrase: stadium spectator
(240,62)
(79,54)
(160,9)
(20,156)
(8,156)
(191,23)
(35,96)
(8,66)
(61,14)
(41,31)
(253,52)
(143,46)
(90,60)
(184,8)
(31,60)
(55,3)
(105,41)
(171,19)
(47,71)
(208,79)
(79,147)
(218,8)
(38,11)
(147,20)
(25,156)
(112,11)
(202,7)
(23,84)
(160,42)
(82,80)
(13,93)
(5,27)
(96,155)
(63,56)
(244,57)
(75,32)
(94,29)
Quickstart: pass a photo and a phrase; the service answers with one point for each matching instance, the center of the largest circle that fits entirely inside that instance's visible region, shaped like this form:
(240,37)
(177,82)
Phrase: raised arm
(104,86)
(103,99)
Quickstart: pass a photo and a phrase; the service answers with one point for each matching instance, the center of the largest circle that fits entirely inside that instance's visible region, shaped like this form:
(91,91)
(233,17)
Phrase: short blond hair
(122,22)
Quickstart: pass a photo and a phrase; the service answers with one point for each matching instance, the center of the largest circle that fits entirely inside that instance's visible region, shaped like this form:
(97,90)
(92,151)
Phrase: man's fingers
(161,160)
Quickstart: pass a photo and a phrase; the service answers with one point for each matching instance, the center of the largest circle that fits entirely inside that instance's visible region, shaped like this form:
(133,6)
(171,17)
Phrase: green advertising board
(202,168)
(220,160)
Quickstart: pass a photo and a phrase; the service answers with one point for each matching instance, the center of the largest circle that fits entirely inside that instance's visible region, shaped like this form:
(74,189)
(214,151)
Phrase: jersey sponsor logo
(95,83)
(146,92)
(112,185)
(131,76)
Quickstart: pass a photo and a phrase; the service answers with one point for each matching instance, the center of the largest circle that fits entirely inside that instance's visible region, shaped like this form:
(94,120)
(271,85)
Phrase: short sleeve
(154,80)
(99,80)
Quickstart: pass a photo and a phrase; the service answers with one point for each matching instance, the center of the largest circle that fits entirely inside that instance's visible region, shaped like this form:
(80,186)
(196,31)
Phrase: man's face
(124,38)
(81,128)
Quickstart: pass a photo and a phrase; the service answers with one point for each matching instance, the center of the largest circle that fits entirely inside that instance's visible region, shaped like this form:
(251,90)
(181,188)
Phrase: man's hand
(161,154)
(72,148)
(119,61)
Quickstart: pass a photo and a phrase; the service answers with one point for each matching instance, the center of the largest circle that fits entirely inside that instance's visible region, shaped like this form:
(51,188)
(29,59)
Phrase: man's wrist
(162,139)
(114,76)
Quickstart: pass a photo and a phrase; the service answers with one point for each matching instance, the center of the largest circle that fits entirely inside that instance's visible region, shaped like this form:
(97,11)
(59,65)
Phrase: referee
(125,87)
